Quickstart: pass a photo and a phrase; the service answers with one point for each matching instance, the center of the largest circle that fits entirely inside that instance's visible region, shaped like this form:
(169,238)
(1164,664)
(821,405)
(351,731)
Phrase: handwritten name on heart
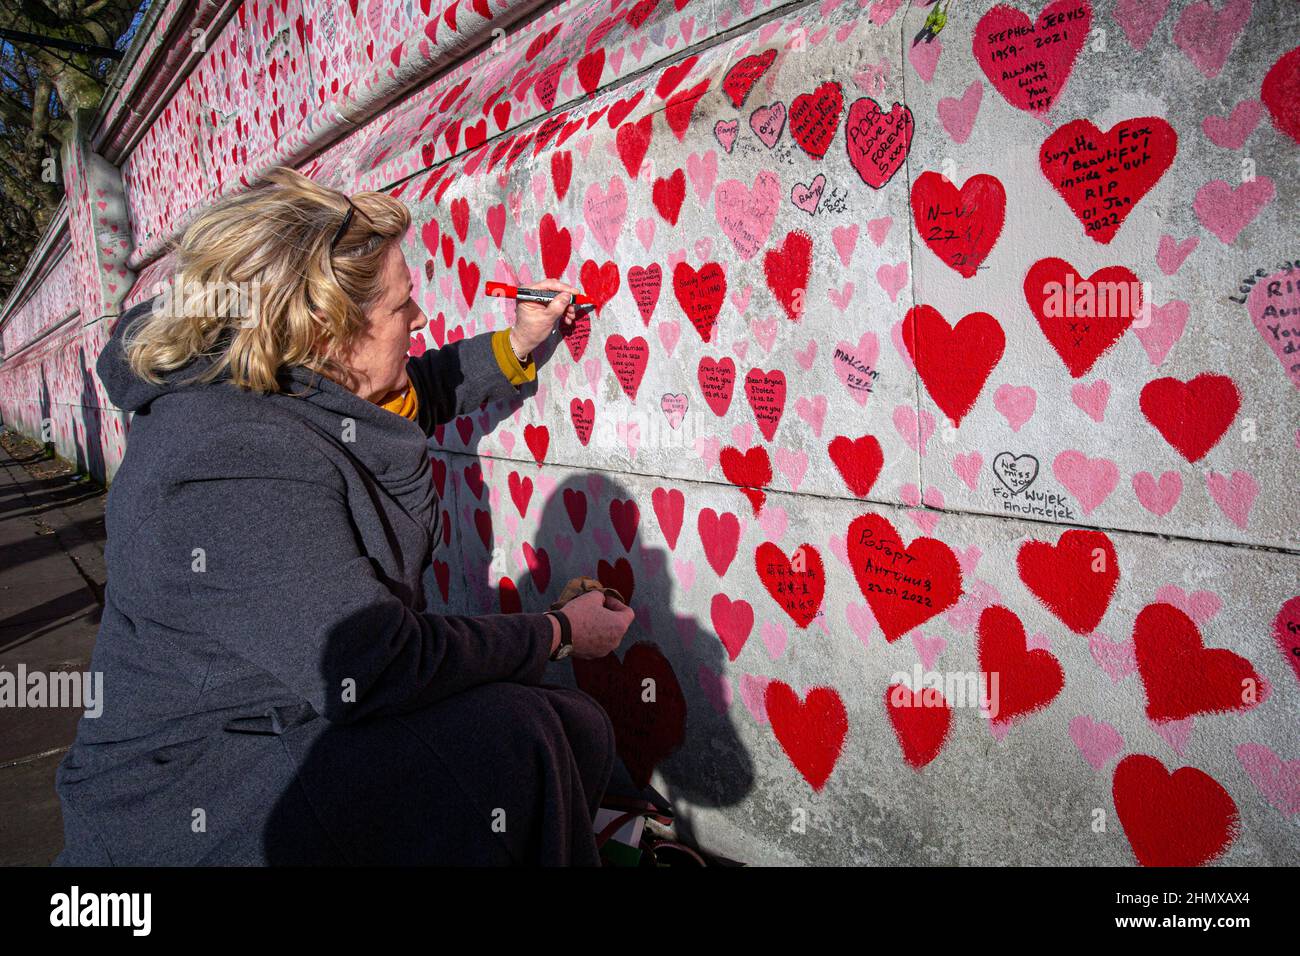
(1016,472)
(1029,63)
(1103,176)
(905,586)
(959,226)
(796,584)
(878,142)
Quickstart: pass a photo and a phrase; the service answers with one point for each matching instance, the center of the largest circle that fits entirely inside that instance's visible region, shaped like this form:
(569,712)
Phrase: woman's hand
(599,623)
(534,321)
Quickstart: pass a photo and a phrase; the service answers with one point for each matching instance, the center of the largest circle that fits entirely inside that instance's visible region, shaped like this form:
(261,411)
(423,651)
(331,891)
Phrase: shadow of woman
(666,687)
(90,438)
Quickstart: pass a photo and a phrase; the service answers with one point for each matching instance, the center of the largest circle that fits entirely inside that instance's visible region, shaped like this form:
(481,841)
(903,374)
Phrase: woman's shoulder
(235,436)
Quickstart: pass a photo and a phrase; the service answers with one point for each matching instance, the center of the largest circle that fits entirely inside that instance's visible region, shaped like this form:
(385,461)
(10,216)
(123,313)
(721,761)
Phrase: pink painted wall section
(914,364)
(281,77)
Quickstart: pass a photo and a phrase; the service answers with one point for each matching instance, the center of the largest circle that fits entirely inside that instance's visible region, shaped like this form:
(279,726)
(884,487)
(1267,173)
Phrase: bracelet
(566,633)
(523,360)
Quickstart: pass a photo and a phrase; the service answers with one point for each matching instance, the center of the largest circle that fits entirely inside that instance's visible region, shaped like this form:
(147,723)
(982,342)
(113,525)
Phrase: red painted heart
(1082,319)
(921,720)
(1074,578)
(1027,681)
(797,584)
(904,586)
(959,226)
(954,362)
(644,735)
(1103,176)
(1192,416)
(1182,676)
(811,732)
(1181,819)
(1027,62)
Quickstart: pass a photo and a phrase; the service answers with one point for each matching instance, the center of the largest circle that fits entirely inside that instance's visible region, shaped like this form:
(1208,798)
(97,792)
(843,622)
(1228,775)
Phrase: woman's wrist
(555,632)
(522,354)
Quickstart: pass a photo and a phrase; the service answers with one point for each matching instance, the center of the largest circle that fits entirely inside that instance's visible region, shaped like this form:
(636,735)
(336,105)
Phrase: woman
(274,690)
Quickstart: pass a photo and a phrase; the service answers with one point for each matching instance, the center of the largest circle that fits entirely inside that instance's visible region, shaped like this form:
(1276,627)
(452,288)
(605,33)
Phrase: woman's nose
(421,319)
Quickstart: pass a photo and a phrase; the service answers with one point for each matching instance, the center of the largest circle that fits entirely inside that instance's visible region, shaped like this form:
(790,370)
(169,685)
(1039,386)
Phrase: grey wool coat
(275,691)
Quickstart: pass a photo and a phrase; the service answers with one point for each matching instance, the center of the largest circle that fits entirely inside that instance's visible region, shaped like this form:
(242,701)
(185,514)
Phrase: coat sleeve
(285,586)
(459,377)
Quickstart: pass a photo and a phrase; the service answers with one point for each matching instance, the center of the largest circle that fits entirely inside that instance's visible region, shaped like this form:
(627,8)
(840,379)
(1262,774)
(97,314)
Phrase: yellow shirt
(407,404)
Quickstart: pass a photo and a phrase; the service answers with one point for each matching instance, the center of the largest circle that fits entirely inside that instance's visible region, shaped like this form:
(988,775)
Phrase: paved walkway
(51,590)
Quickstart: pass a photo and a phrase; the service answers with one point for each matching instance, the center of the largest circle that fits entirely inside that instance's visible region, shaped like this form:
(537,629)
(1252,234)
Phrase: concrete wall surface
(919,367)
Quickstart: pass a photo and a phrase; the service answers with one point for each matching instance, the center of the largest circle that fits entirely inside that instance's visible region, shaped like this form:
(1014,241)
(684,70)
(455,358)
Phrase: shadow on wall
(652,686)
(46,405)
(416,788)
(90,456)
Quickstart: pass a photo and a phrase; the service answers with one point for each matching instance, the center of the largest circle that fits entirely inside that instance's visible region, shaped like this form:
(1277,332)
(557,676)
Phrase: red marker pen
(501,290)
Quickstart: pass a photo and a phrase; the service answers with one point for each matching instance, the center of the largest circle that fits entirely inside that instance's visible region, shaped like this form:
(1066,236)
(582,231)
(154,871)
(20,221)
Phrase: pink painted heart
(808,197)
(1091,480)
(674,408)
(967,467)
(1170,253)
(1200,606)
(957,114)
(764,332)
(812,411)
(1117,660)
(1234,495)
(1016,403)
(928,648)
(878,229)
(892,278)
(1176,733)
(716,688)
(1226,211)
(1274,307)
(753,693)
(1158,497)
(1159,328)
(855,366)
(1231,131)
(1097,740)
(896,336)
(1139,18)
(725,132)
(767,122)
(924,57)
(914,430)
(861,620)
(702,170)
(1277,779)
(968,558)
(1206,36)
(774,638)
(1092,399)
(841,298)
(845,239)
(745,213)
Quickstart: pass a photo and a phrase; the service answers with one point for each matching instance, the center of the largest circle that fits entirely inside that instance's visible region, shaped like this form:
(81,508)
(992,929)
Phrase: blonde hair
(274,239)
